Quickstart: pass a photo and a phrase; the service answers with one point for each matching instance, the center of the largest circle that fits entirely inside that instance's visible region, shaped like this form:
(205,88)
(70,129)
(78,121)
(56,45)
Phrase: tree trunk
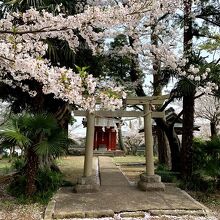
(32,166)
(187,140)
(31,171)
(164,155)
(174,149)
(213,129)
(173,142)
(188,99)
(163,146)
(11,154)
(120,140)
(63,116)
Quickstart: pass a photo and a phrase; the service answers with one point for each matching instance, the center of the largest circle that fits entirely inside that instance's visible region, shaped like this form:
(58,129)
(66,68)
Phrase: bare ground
(10,209)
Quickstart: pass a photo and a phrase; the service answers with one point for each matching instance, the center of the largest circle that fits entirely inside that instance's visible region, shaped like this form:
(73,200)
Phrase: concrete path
(117,196)
(110,175)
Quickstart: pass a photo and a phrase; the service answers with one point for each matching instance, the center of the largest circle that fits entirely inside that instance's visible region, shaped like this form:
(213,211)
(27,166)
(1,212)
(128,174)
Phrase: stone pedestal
(86,185)
(150,183)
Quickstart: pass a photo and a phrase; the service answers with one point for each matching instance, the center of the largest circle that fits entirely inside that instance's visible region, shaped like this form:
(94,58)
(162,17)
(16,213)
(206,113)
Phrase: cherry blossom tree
(208,107)
(23,44)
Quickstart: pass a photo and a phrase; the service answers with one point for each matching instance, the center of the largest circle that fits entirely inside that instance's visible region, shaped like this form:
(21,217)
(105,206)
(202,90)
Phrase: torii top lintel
(154,100)
(140,100)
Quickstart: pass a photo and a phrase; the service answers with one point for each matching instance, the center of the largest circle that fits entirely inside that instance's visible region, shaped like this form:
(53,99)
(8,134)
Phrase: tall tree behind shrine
(163,147)
(188,96)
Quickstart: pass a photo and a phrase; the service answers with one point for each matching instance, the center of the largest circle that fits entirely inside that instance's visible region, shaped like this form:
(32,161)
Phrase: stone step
(109,153)
(176,212)
(101,153)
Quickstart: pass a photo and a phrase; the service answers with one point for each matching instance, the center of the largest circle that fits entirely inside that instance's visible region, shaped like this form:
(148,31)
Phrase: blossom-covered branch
(23,47)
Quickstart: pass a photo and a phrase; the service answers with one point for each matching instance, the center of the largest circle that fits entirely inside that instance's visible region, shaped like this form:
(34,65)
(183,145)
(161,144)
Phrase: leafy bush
(18,164)
(212,167)
(39,135)
(162,167)
(199,155)
(198,183)
(17,187)
(47,182)
(207,158)
(167,176)
(5,155)
(206,166)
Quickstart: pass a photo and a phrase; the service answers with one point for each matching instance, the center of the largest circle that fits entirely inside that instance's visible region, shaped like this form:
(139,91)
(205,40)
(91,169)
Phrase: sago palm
(39,136)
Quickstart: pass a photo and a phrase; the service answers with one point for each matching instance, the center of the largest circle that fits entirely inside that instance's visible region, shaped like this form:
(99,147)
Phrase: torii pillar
(88,182)
(149,181)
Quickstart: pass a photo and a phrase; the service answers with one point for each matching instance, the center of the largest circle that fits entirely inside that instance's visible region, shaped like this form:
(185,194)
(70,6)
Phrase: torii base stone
(150,183)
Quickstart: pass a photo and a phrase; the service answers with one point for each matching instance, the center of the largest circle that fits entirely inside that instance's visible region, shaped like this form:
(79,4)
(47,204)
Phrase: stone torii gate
(148,180)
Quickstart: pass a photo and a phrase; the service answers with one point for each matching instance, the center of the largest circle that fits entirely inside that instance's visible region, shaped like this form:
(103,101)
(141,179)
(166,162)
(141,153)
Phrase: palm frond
(60,52)
(52,52)
(185,87)
(14,136)
(22,4)
(6,144)
(55,144)
(37,123)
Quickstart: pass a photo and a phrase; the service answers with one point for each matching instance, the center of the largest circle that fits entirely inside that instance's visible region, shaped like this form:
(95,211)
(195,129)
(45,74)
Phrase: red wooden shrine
(105,138)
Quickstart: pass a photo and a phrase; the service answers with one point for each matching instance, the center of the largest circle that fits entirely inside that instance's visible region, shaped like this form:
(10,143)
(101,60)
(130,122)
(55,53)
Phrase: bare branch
(175,120)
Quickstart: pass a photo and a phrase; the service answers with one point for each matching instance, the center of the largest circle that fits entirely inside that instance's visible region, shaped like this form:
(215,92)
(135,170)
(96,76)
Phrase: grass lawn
(131,166)
(129,159)
(133,172)
(5,166)
(71,167)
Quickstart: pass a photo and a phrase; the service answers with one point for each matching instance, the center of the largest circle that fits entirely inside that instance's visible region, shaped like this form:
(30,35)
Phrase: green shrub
(167,176)
(210,158)
(213,158)
(197,183)
(17,187)
(199,154)
(5,155)
(47,182)
(18,164)
(162,167)
(206,166)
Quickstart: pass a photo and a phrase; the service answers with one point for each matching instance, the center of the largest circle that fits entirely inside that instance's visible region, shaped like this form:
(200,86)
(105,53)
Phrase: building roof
(103,122)
(170,116)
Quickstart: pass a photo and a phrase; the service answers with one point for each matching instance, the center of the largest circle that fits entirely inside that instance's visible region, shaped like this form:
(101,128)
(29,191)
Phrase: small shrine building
(105,134)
